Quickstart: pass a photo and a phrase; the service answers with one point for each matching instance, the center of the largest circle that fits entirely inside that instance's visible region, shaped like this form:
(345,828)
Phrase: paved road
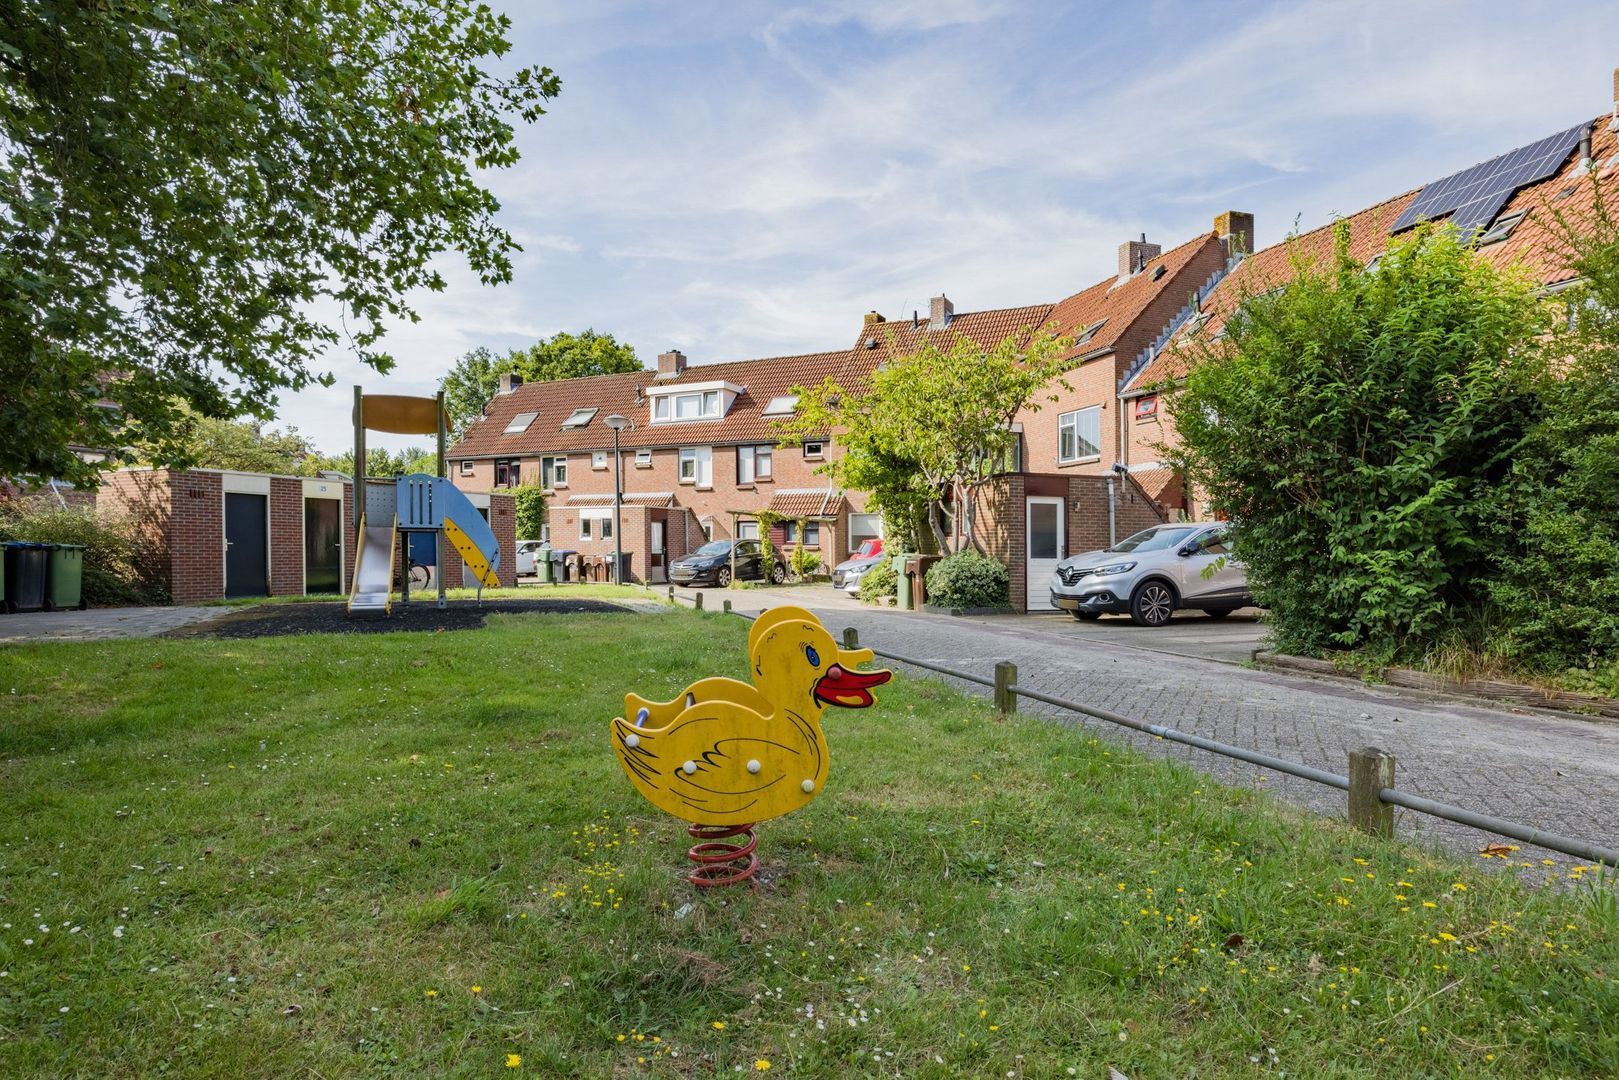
(1552,772)
(101,624)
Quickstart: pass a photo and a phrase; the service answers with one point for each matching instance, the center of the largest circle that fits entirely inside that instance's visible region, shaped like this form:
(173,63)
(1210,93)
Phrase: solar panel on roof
(1473,197)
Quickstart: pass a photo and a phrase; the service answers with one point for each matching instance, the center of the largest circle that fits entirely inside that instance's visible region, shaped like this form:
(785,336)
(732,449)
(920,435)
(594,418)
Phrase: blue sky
(746,179)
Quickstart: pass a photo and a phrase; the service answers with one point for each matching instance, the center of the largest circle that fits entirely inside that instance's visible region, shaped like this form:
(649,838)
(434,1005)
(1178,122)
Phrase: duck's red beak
(848,689)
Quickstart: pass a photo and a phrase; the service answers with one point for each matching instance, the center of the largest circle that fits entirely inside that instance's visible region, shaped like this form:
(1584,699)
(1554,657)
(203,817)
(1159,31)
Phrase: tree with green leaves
(246,446)
(381,463)
(475,378)
(198,201)
(1558,587)
(934,424)
(1355,425)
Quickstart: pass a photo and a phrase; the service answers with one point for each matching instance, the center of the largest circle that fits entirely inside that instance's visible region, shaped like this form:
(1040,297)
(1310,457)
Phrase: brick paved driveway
(1551,772)
(101,624)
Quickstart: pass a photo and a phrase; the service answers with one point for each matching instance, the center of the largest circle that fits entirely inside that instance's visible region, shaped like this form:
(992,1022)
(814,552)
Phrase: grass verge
(414,855)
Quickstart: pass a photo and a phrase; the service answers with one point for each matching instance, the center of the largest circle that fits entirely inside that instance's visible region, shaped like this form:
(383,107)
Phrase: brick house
(223,534)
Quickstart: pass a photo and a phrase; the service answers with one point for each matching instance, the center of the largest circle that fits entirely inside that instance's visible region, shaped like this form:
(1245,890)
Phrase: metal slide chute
(372,587)
(469,533)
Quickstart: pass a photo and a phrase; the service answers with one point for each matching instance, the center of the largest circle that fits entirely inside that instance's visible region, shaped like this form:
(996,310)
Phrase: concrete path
(101,624)
(1552,772)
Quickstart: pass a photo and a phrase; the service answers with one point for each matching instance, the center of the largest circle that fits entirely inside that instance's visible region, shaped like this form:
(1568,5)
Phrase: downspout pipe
(1112,516)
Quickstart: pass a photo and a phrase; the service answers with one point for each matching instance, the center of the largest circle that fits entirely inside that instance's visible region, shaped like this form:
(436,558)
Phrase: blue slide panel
(452,505)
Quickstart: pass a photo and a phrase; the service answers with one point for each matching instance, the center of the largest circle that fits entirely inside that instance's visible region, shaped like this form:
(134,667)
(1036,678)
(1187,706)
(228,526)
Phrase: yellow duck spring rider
(725,755)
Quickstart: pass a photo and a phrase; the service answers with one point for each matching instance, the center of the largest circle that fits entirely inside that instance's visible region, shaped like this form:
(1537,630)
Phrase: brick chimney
(1134,254)
(940,312)
(509,381)
(1613,125)
(671,363)
(1236,232)
(872,317)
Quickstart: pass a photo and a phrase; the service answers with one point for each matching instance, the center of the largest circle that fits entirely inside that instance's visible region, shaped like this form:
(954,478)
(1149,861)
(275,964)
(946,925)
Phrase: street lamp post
(618,424)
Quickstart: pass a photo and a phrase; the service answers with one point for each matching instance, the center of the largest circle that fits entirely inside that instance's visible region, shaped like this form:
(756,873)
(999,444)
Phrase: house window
(707,525)
(1147,407)
(1079,435)
(1502,228)
(598,459)
(520,423)
(697,465)
(863,527)
(698,405)
(508,473)
(596,524)
(807,533)
(747,530)
(784,405)
(584,527)
(466,468)
(578,418)
(554,472)
(814,451)
(753,463)
(643,459)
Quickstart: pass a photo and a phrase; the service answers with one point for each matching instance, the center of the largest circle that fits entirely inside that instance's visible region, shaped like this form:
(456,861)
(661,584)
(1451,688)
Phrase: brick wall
(1000,521)
(503,520)
(196,538)
(286,536)
(146,497)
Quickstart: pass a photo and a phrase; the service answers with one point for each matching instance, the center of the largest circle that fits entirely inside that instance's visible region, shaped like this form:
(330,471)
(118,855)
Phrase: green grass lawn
(415,855)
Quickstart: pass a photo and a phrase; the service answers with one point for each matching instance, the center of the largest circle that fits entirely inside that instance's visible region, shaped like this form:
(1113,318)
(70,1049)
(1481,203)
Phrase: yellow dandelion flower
(762,1065)
(514,1061)
(477,989)
(719,1025)
(430,992)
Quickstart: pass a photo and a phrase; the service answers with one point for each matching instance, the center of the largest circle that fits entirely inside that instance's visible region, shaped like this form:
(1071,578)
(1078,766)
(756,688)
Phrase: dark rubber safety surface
(278,620)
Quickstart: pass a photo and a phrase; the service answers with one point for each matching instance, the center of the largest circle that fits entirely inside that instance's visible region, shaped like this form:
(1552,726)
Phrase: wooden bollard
(1005,679)
(1370,771)
(726,604)
(671,594)
(851,638)
(697,599)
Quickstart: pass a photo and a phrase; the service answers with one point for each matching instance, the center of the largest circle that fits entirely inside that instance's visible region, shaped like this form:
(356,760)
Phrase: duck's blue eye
(812,656)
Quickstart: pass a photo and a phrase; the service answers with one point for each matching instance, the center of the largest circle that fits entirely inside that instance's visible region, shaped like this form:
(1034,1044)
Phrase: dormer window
(1090,332)
(785,405)
(578,418)
(520,423)
(699,401)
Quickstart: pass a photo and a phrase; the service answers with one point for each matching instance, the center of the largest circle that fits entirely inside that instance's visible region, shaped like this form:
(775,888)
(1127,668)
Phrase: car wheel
(723,577)
(1087,616)
(1152,604)
(1218,612)
(778,574)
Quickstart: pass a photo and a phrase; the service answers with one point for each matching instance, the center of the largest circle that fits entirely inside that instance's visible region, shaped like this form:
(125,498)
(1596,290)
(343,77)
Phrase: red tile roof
(1535,245)
(625,394)
(806,503)
(1121,303)
(882,341)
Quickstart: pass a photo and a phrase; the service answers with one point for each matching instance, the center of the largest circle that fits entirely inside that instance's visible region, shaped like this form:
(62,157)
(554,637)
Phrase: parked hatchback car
(527,552)
(847,574)
(1151,574)
(711,564)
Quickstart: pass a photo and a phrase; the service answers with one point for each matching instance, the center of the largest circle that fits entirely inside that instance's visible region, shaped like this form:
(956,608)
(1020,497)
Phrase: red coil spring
(720,860)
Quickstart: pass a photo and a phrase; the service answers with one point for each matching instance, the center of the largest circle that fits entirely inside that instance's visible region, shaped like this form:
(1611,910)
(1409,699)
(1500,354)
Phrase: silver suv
(1152,573)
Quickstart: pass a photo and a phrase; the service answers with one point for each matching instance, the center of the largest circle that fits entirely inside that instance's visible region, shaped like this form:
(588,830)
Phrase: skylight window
(520,423)
(578,419)
(785,405)
(1090,332)
(1502,228)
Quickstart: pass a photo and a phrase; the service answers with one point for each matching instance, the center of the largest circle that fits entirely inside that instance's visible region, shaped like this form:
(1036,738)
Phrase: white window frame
(520,423)
(580,418)
(815,450)
(1070,421)
(701,459)
(598,459)
(467,467)
(747,530)
(602,530)
(584,528)
(782,405)
(755,463)
(643,458)
(554,471)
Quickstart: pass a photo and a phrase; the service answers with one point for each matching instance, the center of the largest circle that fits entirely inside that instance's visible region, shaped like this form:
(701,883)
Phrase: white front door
(1043,530)
(655,562)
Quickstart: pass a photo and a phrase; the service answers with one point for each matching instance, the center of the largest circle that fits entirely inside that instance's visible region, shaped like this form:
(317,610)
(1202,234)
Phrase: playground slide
(468,532)
(373,568)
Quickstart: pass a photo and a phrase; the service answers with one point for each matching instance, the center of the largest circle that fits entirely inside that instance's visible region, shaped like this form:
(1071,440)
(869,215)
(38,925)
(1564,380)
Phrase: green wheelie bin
(64,577)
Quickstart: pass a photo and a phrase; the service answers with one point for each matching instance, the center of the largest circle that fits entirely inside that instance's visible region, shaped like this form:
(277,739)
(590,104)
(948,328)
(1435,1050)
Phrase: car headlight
(1113,568)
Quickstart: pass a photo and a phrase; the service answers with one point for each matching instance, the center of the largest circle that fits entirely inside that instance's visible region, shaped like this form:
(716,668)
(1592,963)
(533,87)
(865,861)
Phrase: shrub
(803,562)
(880,582)
(118,560)
(1359,426)
(528,508)
(969,580)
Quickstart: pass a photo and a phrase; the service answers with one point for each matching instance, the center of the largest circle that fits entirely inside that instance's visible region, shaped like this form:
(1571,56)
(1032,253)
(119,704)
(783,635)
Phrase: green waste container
(25,576)
(904,594)
(64,577)
(542,565)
